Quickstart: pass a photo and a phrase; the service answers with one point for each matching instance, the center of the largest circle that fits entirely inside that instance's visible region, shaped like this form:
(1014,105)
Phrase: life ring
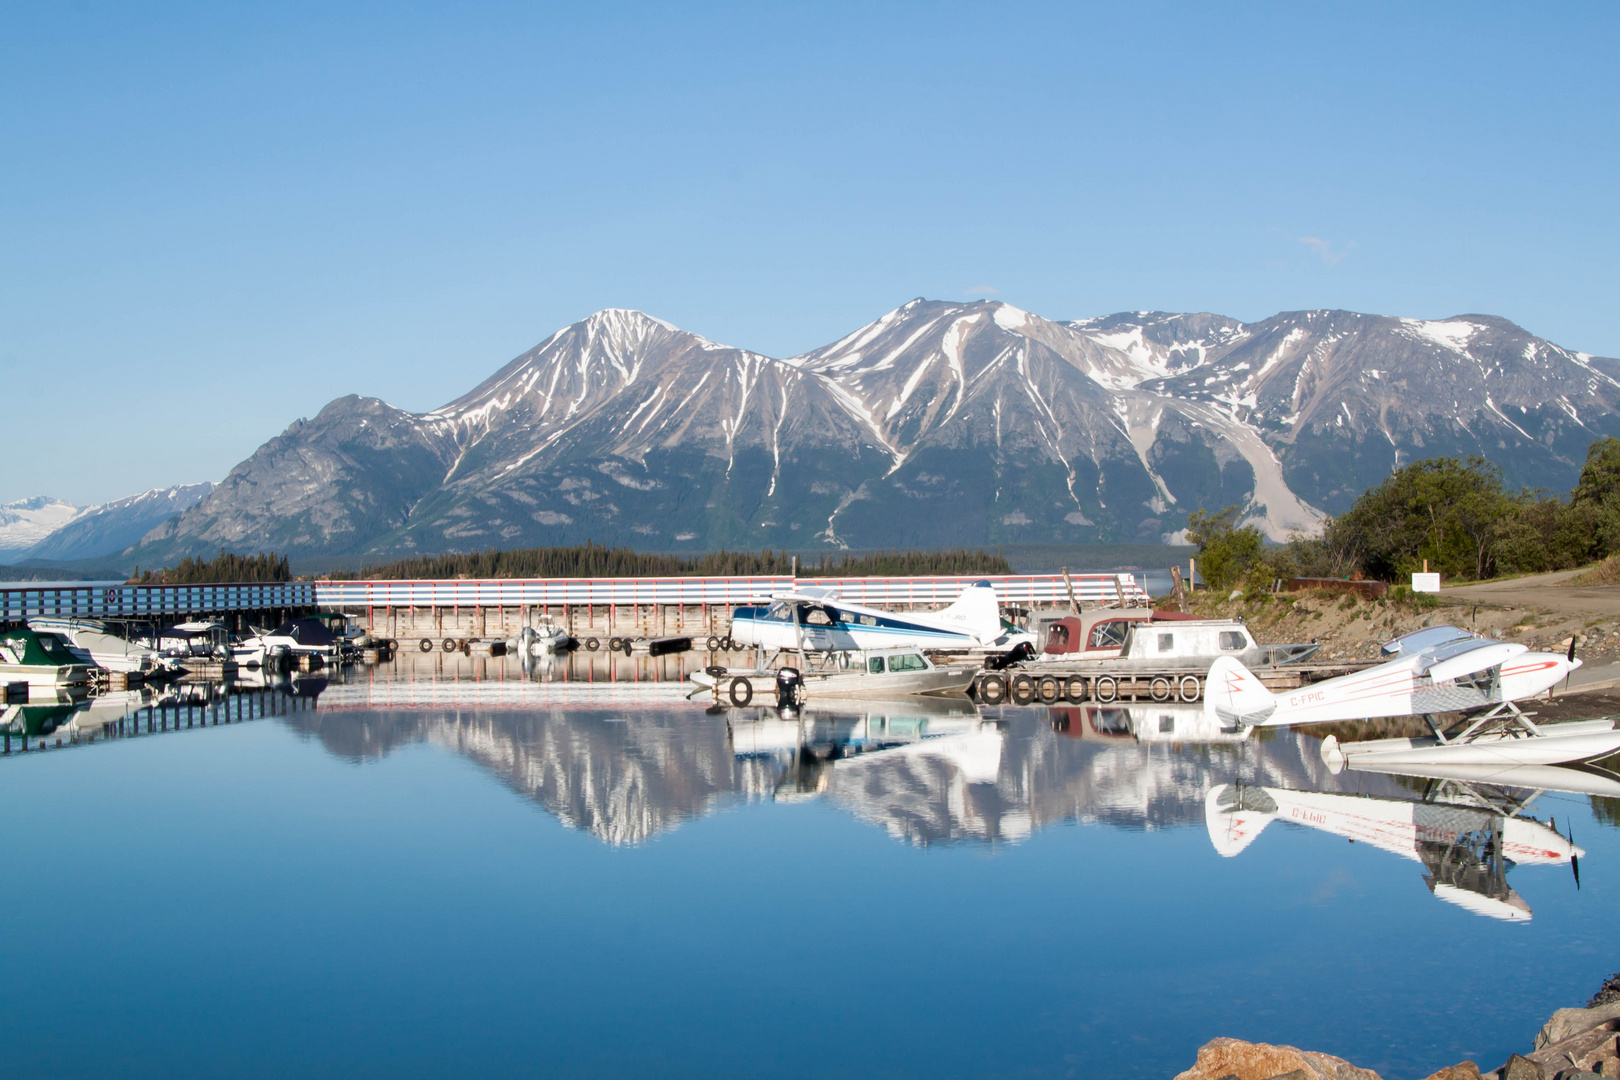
(591,644)
(1049,689)
(1160,688)
(427,646)
(1190,688)
(741,691)
(1075,688)
(1107,688)
(448,644)
(1023,689)
(713,643)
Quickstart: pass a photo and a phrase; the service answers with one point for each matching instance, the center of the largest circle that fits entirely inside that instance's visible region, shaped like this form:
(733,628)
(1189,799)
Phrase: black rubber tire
(448,644)
(1022,689)
(714,671)
(614,643)
(591,644)
(627,646)
(741,691)
(1075,689)
(1190,682)
(1048,689)
(713,643)
(992,689)
(427,646)
(727,645)
(1161,688)
(1106,688)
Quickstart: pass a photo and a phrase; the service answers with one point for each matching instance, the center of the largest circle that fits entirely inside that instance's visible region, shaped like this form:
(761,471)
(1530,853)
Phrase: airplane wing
(1427,638)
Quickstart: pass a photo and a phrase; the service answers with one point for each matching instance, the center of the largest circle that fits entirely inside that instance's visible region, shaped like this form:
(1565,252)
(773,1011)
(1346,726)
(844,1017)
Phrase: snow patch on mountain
(26,522)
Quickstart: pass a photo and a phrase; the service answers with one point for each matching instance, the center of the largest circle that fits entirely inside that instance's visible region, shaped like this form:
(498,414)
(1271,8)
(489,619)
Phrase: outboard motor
(789,688)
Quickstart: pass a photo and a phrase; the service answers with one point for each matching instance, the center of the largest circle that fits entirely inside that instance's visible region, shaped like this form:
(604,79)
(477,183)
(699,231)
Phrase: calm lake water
(488,877)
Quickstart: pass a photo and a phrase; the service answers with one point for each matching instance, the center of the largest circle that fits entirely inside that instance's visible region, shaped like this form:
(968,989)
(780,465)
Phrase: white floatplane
(816,619)
(1438,670)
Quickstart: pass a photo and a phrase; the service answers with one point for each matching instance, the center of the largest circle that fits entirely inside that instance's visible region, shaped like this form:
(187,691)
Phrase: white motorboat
(100,644)
(874,673)
(43,661)
(547,639)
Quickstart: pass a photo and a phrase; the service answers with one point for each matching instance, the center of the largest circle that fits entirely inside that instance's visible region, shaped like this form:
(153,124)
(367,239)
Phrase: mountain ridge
(938,423)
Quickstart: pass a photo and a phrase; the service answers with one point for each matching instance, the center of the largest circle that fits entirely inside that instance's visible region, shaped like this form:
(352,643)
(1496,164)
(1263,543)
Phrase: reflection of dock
(129,713)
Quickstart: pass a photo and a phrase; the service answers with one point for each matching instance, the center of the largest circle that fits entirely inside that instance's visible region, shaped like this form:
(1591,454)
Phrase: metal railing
(177,601)
(152,601)
(876,591)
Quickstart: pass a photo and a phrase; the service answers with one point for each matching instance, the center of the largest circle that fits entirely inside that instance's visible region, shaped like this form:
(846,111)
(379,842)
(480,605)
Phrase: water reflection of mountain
(924,771)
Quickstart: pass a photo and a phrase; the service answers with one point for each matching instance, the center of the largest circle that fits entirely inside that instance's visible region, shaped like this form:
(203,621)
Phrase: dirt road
(1545,591)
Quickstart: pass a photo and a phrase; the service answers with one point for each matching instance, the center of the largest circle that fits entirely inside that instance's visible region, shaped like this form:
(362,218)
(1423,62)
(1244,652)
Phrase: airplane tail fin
(977,612)
(1235,697)
(1235,815)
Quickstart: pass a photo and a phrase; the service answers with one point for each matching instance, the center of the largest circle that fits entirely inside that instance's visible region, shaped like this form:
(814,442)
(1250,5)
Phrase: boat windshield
(1108,635)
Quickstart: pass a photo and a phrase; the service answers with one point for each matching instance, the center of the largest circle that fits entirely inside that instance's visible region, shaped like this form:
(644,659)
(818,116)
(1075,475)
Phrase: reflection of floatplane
(806,744)
(1466,834)
(1441,669)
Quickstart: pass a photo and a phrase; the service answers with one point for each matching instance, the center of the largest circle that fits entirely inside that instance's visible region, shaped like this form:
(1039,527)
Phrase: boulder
(1569,1022)
(1222,1058)
(1519,1067)
(1466,1070)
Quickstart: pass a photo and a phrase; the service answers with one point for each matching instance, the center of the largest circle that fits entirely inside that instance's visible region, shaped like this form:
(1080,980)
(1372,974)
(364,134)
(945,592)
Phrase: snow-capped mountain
(938,423)
(111,527)
(26,522)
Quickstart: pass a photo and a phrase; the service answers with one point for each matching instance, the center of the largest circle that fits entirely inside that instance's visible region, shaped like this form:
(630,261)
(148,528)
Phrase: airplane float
(815,619)
(1436,670)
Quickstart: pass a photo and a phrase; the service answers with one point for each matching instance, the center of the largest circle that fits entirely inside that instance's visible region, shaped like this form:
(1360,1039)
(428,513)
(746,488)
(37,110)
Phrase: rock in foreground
(1221,1059)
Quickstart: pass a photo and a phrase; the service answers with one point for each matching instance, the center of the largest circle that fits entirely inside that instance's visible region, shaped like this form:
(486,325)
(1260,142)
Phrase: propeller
(1574,860)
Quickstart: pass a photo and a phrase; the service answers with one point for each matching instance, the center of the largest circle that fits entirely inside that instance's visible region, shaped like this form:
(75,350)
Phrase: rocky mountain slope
(938,423)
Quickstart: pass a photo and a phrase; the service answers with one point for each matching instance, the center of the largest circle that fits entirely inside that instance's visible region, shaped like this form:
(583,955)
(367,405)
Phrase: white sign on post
(1425,582)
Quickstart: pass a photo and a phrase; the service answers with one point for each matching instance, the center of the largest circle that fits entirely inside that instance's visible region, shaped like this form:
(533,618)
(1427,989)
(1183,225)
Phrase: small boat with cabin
(1154,640)
(42,660)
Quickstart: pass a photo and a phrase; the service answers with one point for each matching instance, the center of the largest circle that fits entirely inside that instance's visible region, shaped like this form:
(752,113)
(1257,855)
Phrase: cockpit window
(780,610)
(816,616)
(907,662)
(875,665)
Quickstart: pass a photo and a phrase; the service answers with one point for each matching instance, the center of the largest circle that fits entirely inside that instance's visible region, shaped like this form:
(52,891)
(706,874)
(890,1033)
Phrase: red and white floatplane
(1437,670)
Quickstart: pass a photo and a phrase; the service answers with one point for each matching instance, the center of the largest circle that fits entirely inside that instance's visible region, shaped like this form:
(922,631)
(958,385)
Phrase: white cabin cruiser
(100,644)
(1160,640)
(295,637)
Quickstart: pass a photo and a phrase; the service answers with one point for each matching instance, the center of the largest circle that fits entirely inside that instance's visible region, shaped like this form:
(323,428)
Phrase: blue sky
(215,218)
